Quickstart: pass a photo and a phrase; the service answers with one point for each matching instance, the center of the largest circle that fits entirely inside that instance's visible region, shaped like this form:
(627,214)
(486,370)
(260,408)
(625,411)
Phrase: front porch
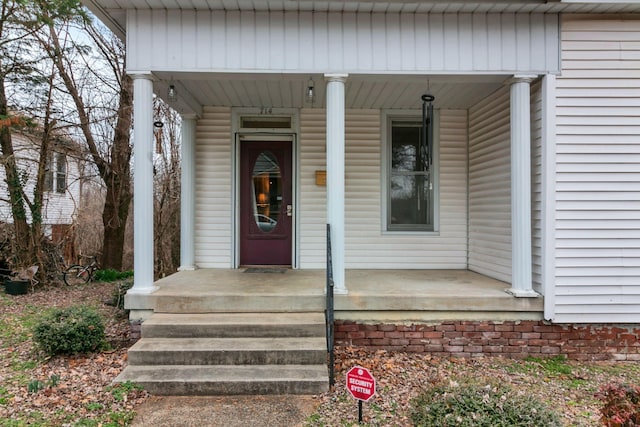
(262,330)
(385,296)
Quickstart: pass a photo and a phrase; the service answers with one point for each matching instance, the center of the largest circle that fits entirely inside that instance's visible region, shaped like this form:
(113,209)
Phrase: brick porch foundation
(514,339)
(136,329)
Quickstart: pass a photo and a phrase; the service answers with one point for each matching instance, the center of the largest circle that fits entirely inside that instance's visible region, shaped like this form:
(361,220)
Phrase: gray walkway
(228,411)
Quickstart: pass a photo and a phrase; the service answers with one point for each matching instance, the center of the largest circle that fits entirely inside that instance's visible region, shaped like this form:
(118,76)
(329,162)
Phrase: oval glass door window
(267,191)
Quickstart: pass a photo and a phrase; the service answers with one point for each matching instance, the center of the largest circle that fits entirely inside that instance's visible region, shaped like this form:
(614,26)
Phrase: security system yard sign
(361,385)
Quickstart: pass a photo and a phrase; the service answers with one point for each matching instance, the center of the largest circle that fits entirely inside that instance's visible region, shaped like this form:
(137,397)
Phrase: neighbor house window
(61,173)
(55,173)
(411,177)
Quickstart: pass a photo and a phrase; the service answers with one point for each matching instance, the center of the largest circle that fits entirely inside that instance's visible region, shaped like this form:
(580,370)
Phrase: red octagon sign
(361,383)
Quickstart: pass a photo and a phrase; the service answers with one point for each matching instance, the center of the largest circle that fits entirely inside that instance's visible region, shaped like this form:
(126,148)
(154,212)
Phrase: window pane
(404,148)
(410,200)
(61,163)
(266,122)
(61,182)
(267,186)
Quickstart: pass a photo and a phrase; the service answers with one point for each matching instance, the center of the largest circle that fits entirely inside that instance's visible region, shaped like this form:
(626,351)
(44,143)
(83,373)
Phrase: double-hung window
(411,184)
(61,173)
(55,173)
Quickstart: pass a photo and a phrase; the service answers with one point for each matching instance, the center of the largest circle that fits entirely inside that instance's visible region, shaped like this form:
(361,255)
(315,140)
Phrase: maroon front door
(265,203)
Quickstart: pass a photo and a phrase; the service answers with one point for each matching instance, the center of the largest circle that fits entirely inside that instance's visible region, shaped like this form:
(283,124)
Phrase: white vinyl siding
(213,189)
(490,187)
(536,186)
(313,197)
(220,40)
(367,246)
(598,172)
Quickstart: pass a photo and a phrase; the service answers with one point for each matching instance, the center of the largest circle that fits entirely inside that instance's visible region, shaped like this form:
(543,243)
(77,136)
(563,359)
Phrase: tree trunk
(23,241)
(118,183)
(114,221)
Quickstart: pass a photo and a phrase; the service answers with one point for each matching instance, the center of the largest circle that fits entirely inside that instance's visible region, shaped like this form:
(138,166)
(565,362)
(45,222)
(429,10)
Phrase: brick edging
(512,339)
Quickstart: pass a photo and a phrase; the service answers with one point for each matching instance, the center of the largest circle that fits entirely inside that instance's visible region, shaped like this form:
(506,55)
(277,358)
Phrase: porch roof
(113,12)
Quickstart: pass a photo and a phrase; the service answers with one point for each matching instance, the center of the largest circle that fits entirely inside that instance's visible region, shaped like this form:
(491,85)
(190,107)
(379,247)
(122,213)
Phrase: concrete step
(228,351)
(238,303)
(228,380)
(227,325)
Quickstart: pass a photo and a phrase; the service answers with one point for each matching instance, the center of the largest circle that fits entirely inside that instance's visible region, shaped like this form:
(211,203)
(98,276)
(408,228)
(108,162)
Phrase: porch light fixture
(310,93)
(172,93)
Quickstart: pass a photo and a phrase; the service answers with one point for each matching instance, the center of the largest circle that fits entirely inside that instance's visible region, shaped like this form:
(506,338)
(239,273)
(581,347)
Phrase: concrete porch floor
(399,296)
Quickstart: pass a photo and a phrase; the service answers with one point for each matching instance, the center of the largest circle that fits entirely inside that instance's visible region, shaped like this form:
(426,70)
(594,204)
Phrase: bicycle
(77,274)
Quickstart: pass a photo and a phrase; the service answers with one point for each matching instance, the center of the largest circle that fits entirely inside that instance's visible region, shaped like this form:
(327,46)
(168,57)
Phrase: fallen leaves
(402,376)
(80,391)
(84,389)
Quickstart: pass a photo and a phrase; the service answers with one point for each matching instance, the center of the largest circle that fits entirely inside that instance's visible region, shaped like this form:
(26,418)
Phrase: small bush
(479,406)
(111,275)
(621,405)
(70,330)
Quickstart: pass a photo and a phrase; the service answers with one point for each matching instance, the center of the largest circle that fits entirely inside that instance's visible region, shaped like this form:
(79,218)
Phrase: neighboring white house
(61,186)
(536,139)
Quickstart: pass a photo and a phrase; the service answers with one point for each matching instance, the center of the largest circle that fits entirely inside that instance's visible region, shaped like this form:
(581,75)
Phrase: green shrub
(479,406)
(111,275)
(117,296)
(70,330)
(621,405)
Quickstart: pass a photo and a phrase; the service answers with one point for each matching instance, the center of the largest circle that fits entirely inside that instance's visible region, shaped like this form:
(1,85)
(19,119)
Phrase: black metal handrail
(328,313)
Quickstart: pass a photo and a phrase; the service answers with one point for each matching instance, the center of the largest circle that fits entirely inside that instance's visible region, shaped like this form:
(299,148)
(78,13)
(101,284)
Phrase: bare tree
(92,95)
(105,123)
(19,23)
(167,190)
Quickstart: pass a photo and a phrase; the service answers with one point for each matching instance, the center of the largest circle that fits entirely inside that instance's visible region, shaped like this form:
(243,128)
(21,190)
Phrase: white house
(62,182)
(530,182)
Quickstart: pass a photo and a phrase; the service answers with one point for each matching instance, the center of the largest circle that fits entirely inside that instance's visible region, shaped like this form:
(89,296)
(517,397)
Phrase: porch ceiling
(288,91)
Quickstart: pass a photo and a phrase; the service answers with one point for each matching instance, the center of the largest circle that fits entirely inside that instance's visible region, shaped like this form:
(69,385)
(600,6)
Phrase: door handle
(289,210)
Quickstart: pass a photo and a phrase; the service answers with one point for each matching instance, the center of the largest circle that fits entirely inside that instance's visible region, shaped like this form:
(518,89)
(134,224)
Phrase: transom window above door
(411,178)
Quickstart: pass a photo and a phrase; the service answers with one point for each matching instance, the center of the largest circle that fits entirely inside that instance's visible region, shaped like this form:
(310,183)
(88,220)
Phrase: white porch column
(142,184)
(521,275)
(335,175)
(187,194)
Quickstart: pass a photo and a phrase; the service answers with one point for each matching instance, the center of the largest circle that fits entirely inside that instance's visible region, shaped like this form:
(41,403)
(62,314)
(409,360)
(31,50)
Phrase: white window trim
(385,137)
